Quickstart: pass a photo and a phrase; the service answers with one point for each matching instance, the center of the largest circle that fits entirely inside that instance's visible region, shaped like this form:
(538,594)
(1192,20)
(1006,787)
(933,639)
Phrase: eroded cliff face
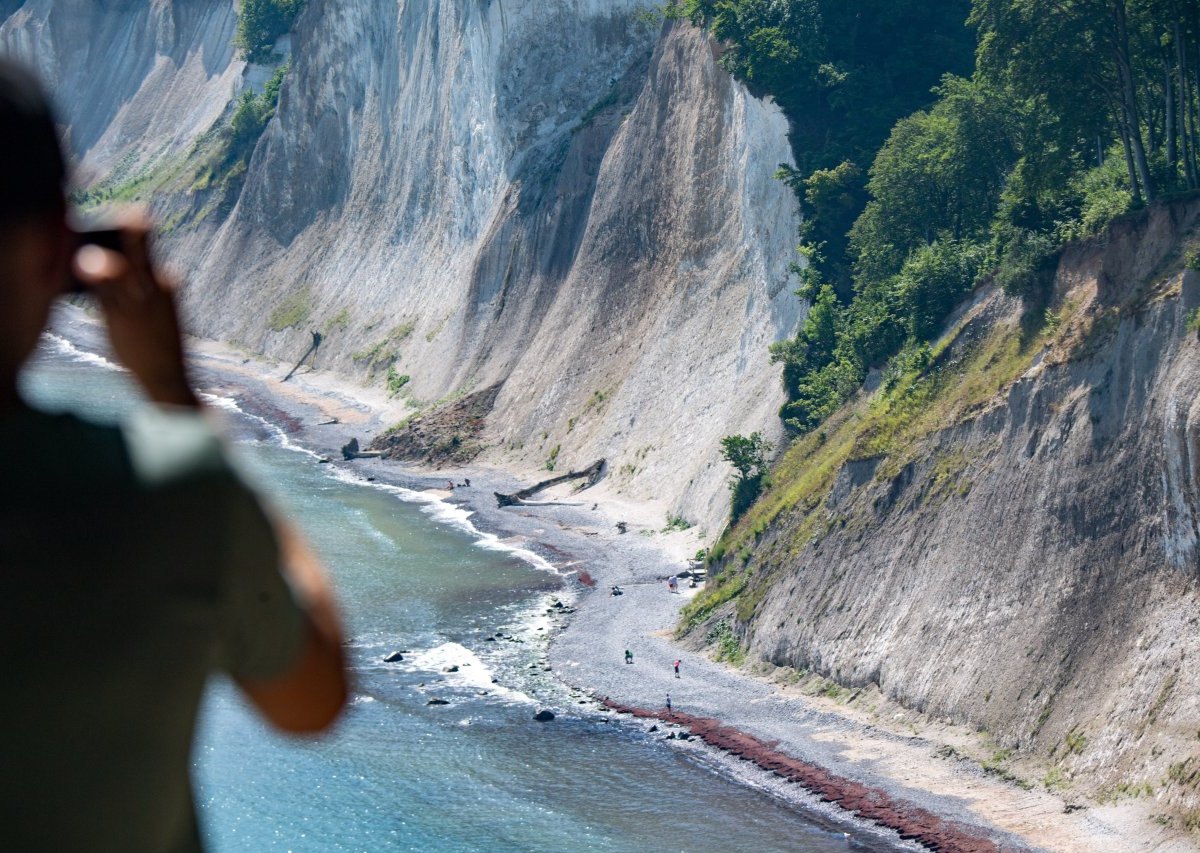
(561,197)
(1029,568)
(136,82)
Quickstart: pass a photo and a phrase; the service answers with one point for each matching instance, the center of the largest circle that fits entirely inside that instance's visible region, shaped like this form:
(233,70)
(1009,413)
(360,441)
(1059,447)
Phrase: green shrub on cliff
(261,22)
(748,456)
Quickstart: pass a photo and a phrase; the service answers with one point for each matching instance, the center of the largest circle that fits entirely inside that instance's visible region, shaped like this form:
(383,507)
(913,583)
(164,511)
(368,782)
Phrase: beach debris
(447,434)
(329,422)
(437,701)
(350,451)
(593,473)
(317,337)
(394,657)
(544,716)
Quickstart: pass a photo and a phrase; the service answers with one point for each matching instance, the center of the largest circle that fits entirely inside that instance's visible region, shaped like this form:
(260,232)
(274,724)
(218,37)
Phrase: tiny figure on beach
(669,711)
(450,485)
(616,590)
(673,584)
(628,656)
(622,527)
(676,669)
(467,482)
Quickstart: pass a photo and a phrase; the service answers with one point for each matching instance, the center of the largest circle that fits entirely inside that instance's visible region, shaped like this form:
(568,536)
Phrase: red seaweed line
(911,822)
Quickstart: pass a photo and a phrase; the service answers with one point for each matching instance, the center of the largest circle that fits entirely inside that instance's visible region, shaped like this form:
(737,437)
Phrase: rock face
(135,82)
(562,199)
(1032,569)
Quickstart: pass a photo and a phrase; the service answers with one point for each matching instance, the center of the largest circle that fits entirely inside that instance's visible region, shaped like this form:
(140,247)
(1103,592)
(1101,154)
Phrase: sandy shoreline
(906,763)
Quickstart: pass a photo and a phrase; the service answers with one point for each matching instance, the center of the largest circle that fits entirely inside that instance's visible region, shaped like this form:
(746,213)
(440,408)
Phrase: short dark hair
(32,171)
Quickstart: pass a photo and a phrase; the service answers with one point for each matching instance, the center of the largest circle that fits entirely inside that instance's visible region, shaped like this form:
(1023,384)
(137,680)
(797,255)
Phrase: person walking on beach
(134,562)
(669,711)
(676,669)
(673,584)
(628,656)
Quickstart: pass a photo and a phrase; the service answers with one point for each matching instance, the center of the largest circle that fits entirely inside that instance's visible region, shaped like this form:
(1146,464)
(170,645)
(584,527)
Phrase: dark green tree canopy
(919,174)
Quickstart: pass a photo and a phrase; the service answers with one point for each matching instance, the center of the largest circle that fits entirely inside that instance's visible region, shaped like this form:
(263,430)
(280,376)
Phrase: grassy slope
(972,366)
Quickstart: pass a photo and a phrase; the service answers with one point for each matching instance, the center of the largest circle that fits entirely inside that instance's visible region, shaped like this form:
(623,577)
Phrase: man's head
(34,240)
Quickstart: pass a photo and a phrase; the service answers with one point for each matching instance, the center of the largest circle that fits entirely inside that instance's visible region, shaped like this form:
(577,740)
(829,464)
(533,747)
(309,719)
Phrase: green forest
(943,142)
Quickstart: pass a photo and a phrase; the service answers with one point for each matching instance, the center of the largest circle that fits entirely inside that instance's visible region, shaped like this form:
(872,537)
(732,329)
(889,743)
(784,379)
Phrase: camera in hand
(105,238)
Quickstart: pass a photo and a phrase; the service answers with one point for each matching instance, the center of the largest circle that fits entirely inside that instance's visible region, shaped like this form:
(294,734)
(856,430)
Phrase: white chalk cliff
(560,196)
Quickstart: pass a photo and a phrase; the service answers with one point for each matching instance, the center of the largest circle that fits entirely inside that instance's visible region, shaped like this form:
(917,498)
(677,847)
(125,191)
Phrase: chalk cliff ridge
(569,199)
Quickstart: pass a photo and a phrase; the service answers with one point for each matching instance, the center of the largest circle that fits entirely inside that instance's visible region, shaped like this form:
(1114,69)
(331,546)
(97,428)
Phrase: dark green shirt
(133,563)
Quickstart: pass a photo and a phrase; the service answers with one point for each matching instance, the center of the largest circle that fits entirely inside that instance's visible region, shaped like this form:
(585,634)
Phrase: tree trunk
(1134,184)
(1183,95)
(1129,97)
(1169,115)
(1190,104)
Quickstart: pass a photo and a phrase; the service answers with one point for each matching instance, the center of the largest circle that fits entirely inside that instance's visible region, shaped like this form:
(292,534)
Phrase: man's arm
(143,326)
(308,697)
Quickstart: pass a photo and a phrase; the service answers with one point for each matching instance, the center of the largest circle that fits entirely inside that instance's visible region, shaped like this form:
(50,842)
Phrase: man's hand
(139,310)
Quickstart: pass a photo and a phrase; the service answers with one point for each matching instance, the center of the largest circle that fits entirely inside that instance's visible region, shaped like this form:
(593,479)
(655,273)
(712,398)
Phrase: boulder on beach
(394,657)
(544,716)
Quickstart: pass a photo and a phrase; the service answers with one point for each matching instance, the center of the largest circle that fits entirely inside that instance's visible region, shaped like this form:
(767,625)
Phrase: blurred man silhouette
(133,561)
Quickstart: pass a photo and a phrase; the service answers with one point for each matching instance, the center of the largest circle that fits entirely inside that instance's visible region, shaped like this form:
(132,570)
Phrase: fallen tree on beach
(593,473)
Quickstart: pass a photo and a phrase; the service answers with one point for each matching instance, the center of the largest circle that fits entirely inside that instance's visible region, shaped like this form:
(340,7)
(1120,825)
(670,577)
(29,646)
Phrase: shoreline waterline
(557,541)
(436,775)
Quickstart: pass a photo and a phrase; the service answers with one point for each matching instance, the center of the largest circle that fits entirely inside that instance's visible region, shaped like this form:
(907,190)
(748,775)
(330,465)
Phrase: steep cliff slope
(1010,540)
(136,82)
(563,198)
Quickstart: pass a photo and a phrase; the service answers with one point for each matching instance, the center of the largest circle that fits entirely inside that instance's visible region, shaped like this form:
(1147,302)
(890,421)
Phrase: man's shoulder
(169,445)
(154,447)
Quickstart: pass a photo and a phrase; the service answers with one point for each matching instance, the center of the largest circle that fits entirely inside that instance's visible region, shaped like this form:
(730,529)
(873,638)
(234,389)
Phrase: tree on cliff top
(748,456)
(261,22)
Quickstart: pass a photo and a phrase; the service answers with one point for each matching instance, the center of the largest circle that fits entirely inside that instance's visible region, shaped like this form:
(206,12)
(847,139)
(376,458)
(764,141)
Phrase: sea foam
(472,672)
(64,347)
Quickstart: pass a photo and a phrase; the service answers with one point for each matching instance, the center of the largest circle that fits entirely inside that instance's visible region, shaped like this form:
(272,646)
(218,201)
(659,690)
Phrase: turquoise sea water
(399,774)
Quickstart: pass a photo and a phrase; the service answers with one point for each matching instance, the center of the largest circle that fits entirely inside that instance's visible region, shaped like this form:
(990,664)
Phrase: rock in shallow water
(544,716)
(394,657)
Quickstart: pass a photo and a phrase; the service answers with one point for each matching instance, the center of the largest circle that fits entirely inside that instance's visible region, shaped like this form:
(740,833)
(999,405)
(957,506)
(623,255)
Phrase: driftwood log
(350,451)
(593,473)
